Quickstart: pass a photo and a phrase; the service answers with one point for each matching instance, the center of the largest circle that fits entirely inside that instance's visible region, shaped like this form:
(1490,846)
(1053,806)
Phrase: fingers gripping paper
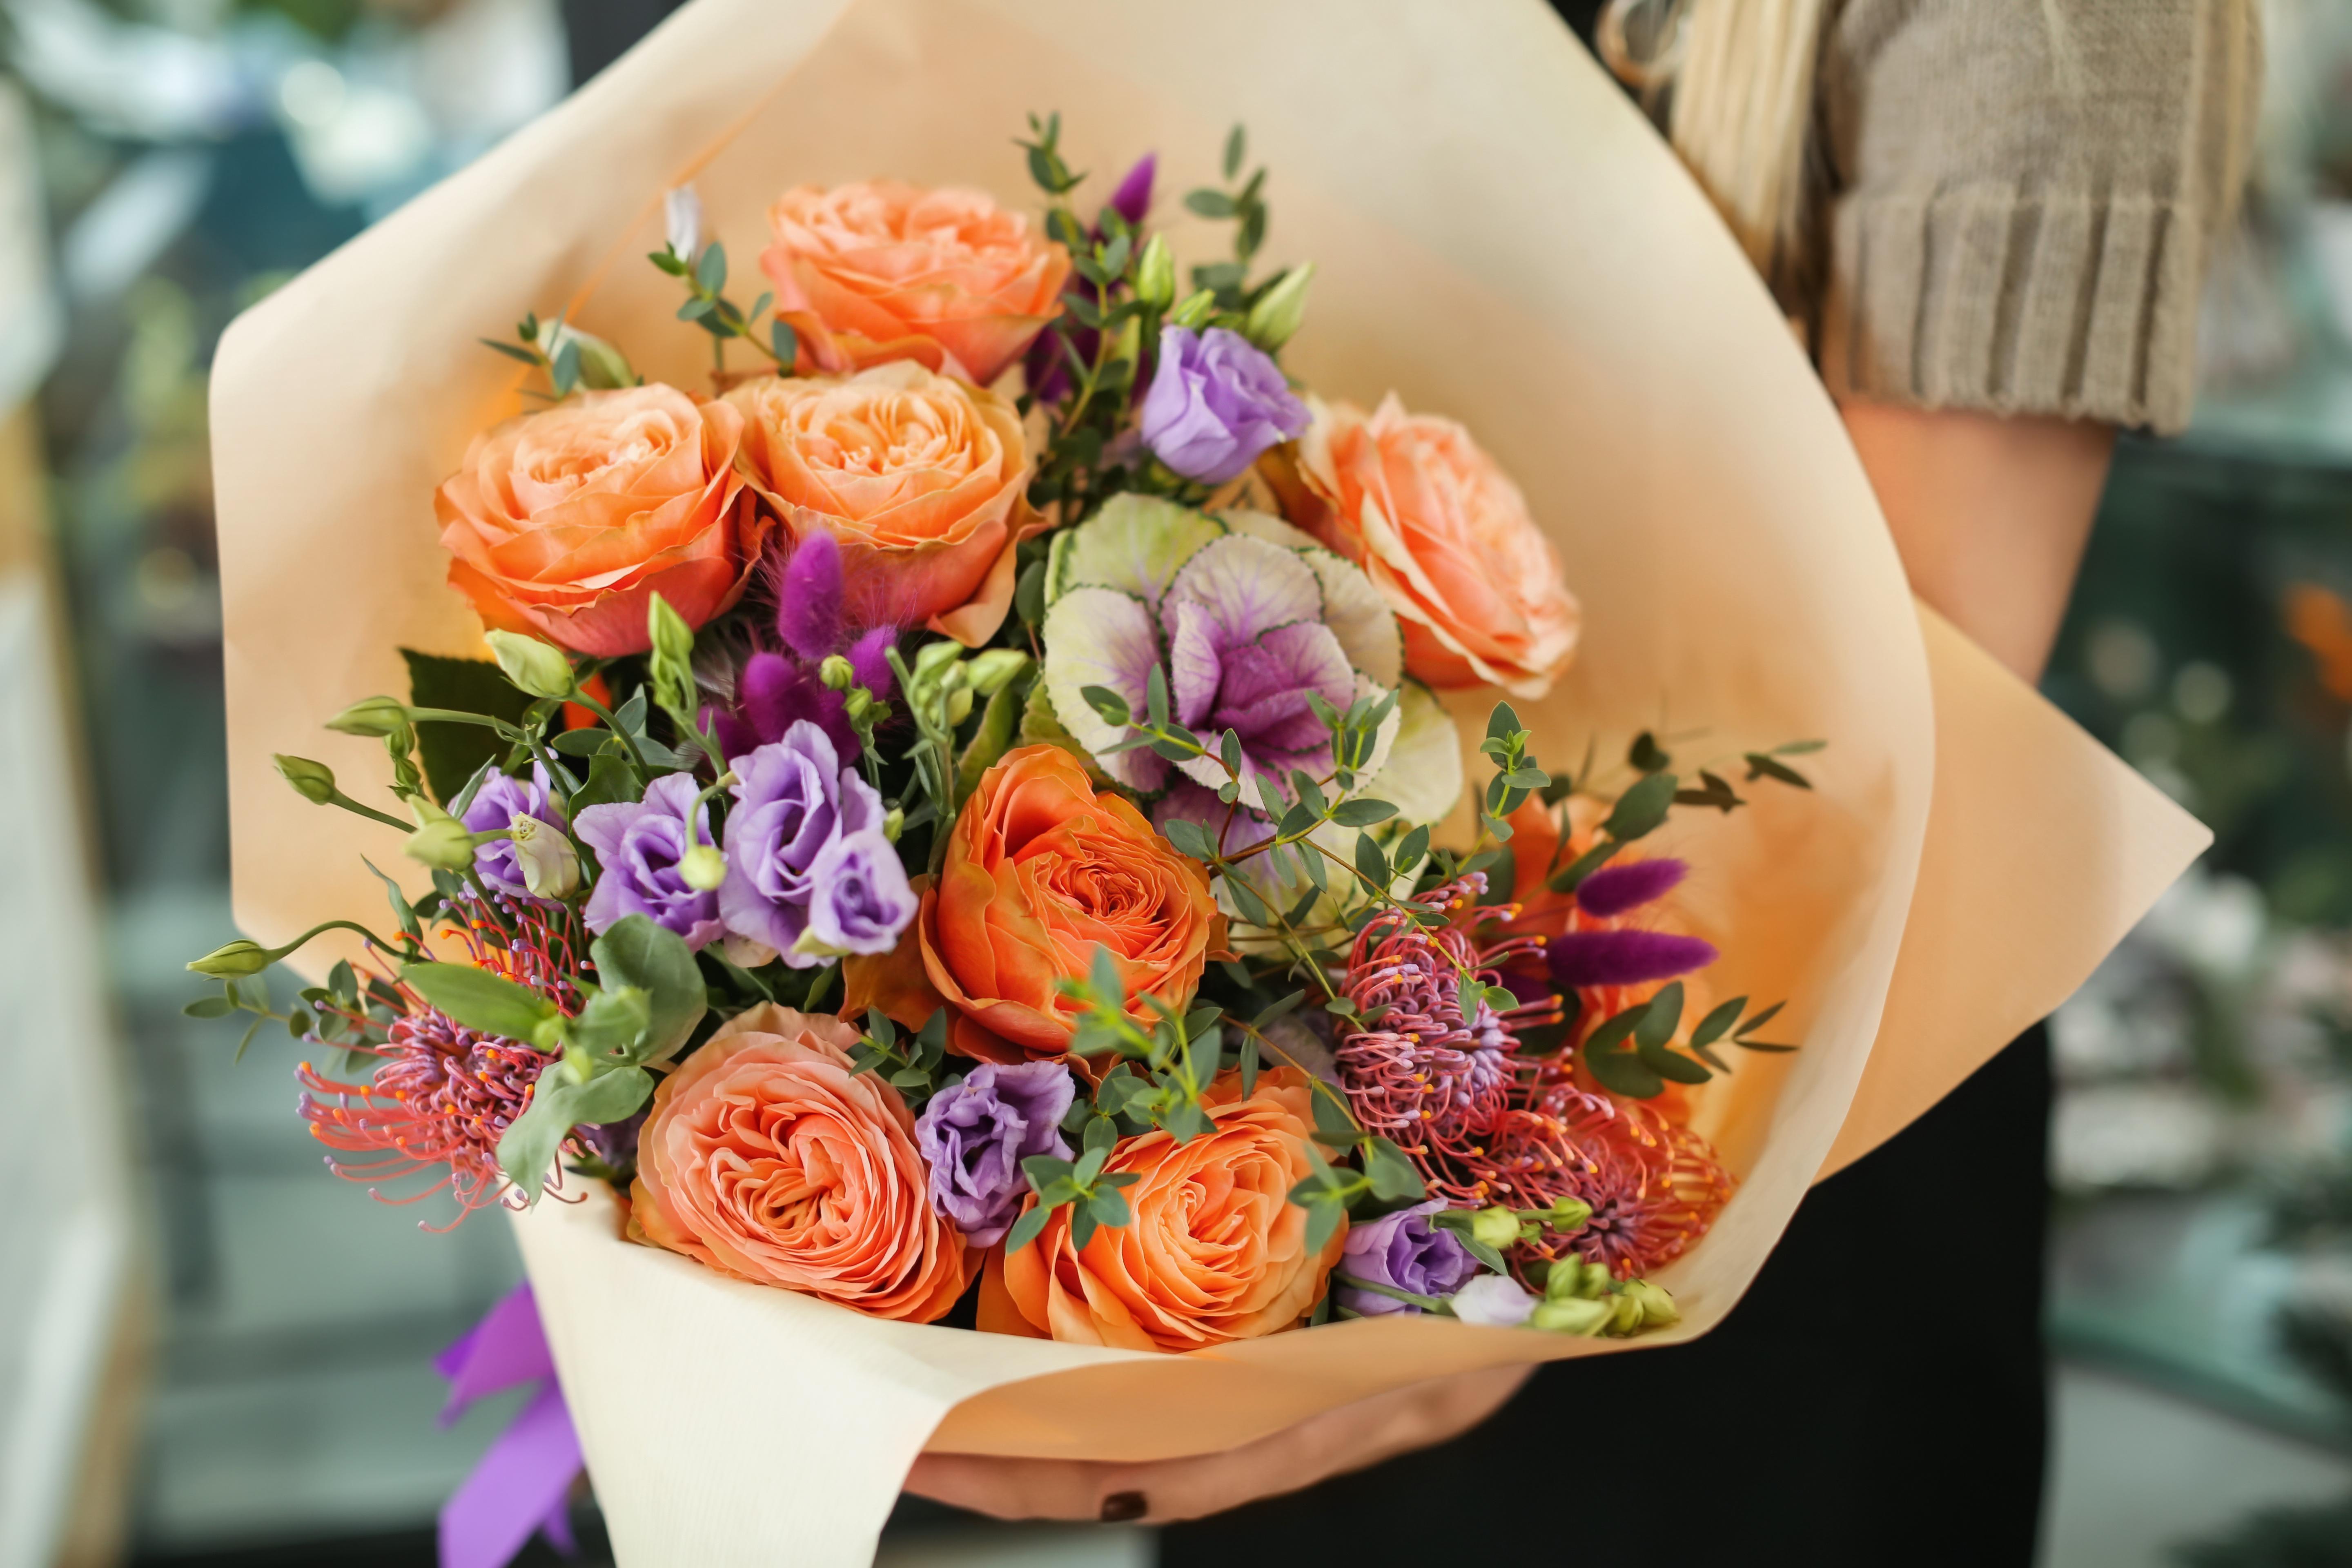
(1503,240)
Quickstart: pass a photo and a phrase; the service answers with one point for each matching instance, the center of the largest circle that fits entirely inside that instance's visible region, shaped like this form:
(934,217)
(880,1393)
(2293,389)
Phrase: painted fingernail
(1120,1507)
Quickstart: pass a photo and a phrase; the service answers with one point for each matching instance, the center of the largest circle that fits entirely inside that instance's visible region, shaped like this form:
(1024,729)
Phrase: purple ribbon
(524,1484)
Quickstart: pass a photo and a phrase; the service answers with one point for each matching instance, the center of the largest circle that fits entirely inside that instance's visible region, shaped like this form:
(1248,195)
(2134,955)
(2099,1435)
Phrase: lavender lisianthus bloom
(1405,1252)
(1216,401)
(806,856)
(500,799)
(975,1134)
(638,845)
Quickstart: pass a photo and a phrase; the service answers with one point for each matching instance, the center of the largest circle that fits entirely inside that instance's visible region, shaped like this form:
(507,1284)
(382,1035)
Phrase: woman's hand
(1333,1443)
(1988,514)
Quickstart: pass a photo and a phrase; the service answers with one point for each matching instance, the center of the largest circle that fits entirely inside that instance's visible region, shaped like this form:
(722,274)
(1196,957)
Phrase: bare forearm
(1989,515)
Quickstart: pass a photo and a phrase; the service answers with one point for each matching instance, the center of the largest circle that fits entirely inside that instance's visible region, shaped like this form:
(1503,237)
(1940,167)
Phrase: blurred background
(212,1353)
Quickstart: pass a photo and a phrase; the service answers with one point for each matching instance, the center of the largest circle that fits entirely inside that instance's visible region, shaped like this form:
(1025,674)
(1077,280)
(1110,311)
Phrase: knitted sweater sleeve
(2025,197)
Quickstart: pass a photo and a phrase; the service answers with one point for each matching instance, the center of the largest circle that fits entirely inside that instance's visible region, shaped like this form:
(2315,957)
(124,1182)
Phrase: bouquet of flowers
(961,784)
(910,832)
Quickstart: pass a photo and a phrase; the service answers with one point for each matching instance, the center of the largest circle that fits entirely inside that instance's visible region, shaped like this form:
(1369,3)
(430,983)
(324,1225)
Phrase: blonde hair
(1742,116)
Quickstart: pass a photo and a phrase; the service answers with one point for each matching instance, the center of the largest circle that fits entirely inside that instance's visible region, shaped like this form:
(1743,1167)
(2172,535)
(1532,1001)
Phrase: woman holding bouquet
(1991,220)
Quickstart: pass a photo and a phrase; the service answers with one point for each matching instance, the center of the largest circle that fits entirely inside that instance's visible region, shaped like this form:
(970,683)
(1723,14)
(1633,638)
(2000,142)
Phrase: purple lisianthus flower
(806,857)
(639,846)
(976,1133)
(1405,1252)
(1216,401)
(496,804)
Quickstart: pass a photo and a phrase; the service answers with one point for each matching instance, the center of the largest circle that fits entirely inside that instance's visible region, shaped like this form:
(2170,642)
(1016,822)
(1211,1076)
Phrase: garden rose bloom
(765,1159)
(1040,871)
(918,476)
(879,270)
(565,524)
(1214,1251)
(1445,536)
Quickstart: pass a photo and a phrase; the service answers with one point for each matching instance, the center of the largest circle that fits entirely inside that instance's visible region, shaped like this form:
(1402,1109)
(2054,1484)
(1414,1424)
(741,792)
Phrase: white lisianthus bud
(1276,316)
(551,866)
(682,213)
(1155,273)
(745,952)
(704,867)
(1492,1299)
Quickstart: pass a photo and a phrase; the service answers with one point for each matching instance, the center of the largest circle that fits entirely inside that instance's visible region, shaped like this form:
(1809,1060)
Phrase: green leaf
(1646,755)
(1209,203)
(1569,877)
(1108,1207)
(480,1000)
(1362,813)
(1661,1017)
(1188,837)
(1676,1068)
(1236,148)
(612,1024)
(1717,1023)
(1761,766)
(1612,1032)
(1624,1072)
(1333,1125)
(1392,1176)
(208,1007)
(1042,1171)
(785,341)
(1025,1230)
(1249,1064)
(1799,747)
(452,754)
(637,953)
(1245,901)
(1762,1018)
(1101,1134)
(1323,1216)
(1370,864)
(710,271)
(559,1103)
(1278,1008)
(1641,809)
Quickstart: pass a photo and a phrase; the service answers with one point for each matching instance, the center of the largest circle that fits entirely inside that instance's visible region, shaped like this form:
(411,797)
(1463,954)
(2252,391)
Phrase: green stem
(371,813)
(614,724)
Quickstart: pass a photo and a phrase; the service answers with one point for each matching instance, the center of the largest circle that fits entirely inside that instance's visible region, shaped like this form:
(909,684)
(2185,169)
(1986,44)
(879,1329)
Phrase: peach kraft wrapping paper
(1502,239)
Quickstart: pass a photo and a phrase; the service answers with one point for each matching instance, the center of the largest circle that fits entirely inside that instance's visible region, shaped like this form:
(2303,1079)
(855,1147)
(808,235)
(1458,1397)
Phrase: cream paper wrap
(1502,239)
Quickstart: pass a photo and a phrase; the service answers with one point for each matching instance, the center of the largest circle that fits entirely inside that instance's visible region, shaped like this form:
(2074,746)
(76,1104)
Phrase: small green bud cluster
(1584,1298)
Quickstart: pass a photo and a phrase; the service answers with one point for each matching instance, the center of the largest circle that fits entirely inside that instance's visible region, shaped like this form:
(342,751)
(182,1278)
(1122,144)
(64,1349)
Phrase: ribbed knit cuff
(1980,297)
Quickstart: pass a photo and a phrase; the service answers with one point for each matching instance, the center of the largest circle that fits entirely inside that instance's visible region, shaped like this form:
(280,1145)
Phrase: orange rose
(1444,535)
(1214,1249)
(1040,872)
(565,524)
(879,270)
(765,1159)
(920,479)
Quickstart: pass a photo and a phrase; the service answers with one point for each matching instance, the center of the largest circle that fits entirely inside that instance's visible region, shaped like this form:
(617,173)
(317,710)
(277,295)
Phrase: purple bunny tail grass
(1132,199)
(1584,959)
(808,598)
(1613,890)
(869,660)
(735,737)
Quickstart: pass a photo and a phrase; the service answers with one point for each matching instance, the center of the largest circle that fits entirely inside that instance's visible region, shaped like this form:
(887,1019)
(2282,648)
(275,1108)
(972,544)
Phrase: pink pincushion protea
(1484,1124)
(444,1094)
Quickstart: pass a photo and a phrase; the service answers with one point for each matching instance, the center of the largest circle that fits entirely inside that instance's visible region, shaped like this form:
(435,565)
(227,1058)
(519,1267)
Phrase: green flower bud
(1568,1216)
(932,656)
(371,716)
(551,866)
(537,669)
(1657,1308)
(703,868)
(1193,311)
(235,960)
(959,704)
(1497,1227)
(1155,273)
(808,946)
(992,672)
(1276,316)
(860,700)
(894,824)
(441,842)
(836,673)
(314,782)
(1573,1316)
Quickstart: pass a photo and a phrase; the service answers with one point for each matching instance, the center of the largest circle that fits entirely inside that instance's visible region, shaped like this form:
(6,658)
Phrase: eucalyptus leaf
(560,1102)
(483,1001)
(637,953)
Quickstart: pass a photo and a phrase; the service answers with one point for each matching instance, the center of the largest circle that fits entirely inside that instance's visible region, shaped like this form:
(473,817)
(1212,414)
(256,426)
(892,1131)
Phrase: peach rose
(765,1159)
(1445,536)
(919,477)
(565,524)
(1214,1251)
(1040,872)
(879,270)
